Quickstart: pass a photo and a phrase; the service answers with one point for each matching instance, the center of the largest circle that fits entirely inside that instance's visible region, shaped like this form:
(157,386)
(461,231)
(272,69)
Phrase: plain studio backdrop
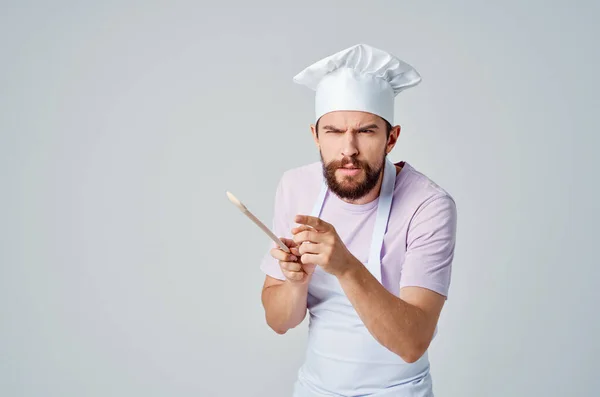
(124,269)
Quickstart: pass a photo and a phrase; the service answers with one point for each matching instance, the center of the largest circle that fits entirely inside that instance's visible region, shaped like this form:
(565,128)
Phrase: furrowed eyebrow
(332,128)
(369,127)
(366,127)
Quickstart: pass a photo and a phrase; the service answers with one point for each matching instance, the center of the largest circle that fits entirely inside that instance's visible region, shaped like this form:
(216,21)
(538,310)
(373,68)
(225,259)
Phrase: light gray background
(124,269)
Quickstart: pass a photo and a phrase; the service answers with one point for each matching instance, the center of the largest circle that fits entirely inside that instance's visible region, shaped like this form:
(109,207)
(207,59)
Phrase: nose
(349,147)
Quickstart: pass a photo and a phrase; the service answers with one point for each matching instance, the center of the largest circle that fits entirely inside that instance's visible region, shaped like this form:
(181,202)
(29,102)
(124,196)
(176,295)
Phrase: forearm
(285,305)
(397,325)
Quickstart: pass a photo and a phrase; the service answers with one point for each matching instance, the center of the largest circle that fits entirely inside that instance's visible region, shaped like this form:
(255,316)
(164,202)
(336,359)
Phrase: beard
(352,187)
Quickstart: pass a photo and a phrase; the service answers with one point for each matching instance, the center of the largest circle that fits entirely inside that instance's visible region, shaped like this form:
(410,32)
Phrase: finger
(309,248)
(319,224)
(301,228)
(281,255)
(295,251)
(311,259)
(288,242)
(308,235)
(290,266)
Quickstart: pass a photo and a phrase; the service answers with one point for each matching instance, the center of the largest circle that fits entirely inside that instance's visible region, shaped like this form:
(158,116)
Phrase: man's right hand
(291,266)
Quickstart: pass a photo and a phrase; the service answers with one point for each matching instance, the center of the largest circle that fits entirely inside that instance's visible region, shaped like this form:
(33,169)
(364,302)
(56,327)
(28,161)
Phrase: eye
(367,131)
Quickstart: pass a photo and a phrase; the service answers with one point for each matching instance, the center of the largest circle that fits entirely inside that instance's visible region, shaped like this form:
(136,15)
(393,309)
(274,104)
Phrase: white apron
(342,357)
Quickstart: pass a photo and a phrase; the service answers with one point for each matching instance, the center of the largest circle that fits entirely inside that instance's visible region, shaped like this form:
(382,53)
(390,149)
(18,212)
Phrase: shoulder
(300,177)
(310,171)
(418,191)
(417,184)
(420,183)
(298,187)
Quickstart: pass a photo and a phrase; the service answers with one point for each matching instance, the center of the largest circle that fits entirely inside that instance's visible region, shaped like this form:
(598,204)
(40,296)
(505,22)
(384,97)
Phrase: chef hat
(358,78)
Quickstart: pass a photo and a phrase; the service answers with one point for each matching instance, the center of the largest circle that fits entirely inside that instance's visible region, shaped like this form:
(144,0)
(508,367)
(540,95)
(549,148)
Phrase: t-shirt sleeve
(431,240)
(279,226)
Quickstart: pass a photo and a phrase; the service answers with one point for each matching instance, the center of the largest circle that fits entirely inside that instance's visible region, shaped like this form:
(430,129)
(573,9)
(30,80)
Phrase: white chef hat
(358,78)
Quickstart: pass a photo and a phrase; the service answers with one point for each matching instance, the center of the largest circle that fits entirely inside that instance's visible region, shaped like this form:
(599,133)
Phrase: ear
(394,134)
(314,134)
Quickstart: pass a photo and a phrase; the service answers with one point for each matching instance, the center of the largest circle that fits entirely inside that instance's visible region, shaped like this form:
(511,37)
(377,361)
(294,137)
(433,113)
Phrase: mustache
(345,161)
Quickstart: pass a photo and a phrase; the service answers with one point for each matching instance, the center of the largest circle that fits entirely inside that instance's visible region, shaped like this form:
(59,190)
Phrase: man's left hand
(320,244)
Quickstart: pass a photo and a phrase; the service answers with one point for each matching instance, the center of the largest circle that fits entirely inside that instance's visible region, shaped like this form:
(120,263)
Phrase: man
(372,242)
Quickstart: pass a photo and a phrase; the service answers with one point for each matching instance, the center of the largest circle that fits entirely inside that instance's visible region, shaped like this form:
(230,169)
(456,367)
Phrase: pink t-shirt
(418,246)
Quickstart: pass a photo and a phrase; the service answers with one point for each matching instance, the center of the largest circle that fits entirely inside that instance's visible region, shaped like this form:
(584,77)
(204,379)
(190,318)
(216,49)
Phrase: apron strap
(383,212)
(316,211)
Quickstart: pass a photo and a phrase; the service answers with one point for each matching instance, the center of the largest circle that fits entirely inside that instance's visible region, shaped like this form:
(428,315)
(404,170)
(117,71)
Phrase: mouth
(349,170)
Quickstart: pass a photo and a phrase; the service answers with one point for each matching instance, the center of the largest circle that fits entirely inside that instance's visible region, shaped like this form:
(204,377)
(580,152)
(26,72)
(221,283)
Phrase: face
(353,146)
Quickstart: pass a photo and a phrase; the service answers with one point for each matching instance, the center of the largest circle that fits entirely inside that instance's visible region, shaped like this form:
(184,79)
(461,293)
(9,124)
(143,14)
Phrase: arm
(284,303)
(285,290)
(404,324)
